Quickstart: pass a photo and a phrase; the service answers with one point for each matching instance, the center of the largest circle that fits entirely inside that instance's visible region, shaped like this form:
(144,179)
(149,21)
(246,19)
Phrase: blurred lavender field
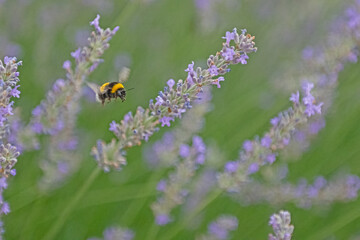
(223,168)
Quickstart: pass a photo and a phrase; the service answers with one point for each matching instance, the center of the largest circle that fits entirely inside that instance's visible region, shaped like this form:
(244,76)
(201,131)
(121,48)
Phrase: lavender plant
(173,101)
(9,84)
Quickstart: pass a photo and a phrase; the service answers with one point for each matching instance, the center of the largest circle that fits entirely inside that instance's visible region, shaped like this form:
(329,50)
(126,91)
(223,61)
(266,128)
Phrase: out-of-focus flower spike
(172,192)
(56,115)
(9,153)
(220,228)
(281,226)
(116,233)
(321,192)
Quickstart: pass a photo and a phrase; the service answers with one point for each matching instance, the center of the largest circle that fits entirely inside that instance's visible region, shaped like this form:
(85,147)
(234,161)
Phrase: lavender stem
(56,227)
(181,224)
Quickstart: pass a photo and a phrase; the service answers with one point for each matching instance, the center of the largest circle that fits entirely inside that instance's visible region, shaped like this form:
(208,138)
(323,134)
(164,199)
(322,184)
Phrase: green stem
(180,225)
(152,232)
(340,222)
(127,11)
(69,208)
(135,207)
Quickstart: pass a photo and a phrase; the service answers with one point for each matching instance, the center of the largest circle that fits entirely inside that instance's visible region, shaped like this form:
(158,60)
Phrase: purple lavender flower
(274,121)
(191,74)
(200,159)
(69,144)
(218,231)
(352,186)
(307,53)
(171,83)
(266,141)
(243,58)
(63,167)
(37,111)
(77,54)
(199,144)
(271,158)
(229,36)
(253,168)
(217,81)
(113,127)
(15,92)
(166,121)
(3,183)
(161,186)
(95,23)
(248,146)
(5,208)
(353,19)
(295,97)
(316,126)
(231,166)
(281,226)
(162,219)
(286,141)
(67,65)
(213,70)
(184,150)
(228,54)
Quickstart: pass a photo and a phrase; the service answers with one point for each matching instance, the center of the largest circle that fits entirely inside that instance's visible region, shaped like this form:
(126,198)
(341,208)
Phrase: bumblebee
(111,90)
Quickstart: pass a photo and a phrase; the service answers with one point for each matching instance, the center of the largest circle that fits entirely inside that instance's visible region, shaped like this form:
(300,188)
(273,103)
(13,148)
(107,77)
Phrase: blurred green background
(157,39)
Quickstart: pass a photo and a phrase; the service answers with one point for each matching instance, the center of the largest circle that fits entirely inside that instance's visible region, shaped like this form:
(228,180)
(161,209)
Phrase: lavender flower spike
(220,228)
(303,194)
(177,98)
(8,153)
(8,89)
(281,226)
(172,192)
(260,152)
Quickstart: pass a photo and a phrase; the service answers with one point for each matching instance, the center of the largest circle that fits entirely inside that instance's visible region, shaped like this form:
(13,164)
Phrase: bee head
(121,94)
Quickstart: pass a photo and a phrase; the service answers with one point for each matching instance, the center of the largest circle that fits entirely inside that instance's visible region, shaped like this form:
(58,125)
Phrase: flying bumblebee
(111,90)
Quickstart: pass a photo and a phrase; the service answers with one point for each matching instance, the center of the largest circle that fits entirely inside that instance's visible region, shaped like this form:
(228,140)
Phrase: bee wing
(95,88)
(124,74)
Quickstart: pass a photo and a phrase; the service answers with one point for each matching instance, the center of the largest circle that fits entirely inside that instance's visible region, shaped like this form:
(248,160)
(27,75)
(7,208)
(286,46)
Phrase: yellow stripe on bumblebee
(116,87)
